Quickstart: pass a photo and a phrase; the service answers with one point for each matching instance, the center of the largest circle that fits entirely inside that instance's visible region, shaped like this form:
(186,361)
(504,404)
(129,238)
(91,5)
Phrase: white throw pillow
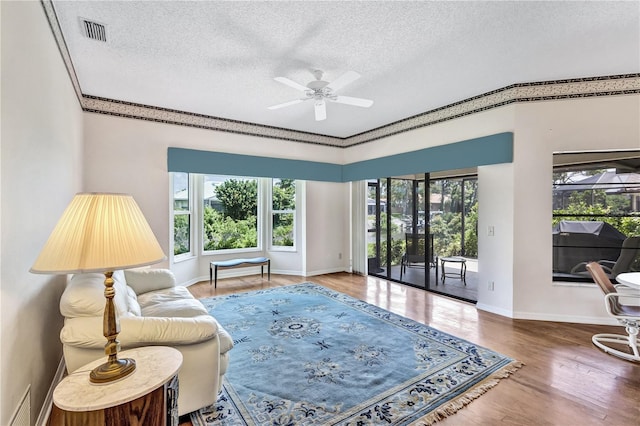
(84,296)
(145,280)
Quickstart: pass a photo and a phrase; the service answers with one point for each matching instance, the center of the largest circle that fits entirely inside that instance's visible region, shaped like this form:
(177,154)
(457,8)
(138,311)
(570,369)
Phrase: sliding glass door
(413,223)
(398,248)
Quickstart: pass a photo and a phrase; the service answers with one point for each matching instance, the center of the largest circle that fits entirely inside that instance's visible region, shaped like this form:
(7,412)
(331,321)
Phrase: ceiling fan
(320,91)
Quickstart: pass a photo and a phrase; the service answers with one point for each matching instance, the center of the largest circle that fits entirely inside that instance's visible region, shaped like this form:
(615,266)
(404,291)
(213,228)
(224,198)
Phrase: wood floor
(565,381)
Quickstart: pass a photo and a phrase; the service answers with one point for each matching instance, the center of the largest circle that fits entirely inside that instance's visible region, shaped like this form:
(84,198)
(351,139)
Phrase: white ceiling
(219,58)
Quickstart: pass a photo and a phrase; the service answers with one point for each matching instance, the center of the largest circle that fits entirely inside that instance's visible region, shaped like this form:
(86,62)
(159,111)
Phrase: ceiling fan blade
(321,110)
(291,83)
(286,104)
(343,80)
(348,100)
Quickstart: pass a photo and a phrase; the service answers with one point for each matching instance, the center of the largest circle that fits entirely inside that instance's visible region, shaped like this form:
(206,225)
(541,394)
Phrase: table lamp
(101,232)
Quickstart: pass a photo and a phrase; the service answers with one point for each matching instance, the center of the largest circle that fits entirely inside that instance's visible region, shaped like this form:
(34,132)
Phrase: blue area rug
(307,355)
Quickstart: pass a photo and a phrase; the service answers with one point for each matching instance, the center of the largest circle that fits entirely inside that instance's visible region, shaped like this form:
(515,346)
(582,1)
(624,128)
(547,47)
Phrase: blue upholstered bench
(238,263)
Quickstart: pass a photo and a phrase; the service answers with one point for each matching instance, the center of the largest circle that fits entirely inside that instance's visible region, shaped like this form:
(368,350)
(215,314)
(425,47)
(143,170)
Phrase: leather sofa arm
(135,331)
(146,280)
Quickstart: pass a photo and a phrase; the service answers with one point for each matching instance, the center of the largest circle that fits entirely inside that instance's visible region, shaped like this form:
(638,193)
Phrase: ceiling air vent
(94,30)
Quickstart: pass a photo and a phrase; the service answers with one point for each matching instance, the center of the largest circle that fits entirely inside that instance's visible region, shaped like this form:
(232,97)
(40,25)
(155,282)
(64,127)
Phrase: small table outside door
(463,268)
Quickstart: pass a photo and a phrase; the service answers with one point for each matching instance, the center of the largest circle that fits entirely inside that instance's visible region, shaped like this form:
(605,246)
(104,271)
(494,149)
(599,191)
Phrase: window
(216,213)
(283,212)
(595,208)
(229,213)
(182,214)
(454,216)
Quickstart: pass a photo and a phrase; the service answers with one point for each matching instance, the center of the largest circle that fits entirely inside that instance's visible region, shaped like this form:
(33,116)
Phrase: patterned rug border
(475,392)
(444,410)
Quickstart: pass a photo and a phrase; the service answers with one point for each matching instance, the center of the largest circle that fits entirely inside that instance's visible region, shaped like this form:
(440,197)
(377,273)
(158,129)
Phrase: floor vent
(94,30)
(22,416)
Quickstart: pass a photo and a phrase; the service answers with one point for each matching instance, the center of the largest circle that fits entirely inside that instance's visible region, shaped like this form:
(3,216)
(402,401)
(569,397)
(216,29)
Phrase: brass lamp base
(112,371)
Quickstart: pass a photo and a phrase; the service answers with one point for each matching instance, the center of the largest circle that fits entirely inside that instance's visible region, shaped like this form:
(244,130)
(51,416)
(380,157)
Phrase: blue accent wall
(486,150)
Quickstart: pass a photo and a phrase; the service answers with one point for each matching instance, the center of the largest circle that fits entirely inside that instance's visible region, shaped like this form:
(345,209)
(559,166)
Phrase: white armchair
(152,310)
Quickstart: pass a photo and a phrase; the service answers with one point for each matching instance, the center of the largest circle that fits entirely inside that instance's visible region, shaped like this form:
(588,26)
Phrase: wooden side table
(148,396)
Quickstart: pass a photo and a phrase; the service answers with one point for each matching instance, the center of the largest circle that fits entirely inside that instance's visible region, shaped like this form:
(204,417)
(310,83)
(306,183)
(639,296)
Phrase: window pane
(470,246)
(284,194)
(181,234)
(595,210)
(230,208)
(283,205)
(181,191)
(283,229)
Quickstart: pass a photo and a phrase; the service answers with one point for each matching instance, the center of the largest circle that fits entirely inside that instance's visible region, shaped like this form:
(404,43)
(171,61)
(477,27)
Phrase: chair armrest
(146,280)
(86,332)
(612,298)
(628,295)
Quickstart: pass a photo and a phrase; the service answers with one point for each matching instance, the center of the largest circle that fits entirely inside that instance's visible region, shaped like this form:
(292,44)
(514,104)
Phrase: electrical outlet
(491,231)
(490,286)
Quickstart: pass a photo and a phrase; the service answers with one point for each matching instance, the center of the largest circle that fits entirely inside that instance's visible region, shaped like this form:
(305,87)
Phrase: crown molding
(614,85)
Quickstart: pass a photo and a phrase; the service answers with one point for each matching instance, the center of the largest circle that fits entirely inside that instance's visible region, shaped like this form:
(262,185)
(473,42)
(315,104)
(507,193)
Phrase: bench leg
(216,278)
(269,269)
(210,274)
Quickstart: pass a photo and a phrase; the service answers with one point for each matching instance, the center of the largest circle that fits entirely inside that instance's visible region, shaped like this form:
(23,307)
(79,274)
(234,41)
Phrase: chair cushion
(170,302)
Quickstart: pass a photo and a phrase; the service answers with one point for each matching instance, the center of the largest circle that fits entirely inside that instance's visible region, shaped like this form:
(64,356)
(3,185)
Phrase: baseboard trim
(498,311)
(325,271)
(45,411)
(243,272)
(538,316)
(578,319)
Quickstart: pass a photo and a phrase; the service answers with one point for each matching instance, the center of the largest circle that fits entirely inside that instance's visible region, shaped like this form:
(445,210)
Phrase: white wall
(327,228)
(495,253)
(41,170)
(542,128)
(127,155)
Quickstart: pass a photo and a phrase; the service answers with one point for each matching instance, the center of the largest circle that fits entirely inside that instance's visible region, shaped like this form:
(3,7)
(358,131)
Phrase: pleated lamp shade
(98,233)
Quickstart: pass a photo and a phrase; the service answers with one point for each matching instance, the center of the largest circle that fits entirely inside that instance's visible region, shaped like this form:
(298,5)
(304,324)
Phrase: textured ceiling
(219,58)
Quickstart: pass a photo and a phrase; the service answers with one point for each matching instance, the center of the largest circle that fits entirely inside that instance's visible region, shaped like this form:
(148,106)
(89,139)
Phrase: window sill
(283,249)
(184,257)
(253,250)
(573,284)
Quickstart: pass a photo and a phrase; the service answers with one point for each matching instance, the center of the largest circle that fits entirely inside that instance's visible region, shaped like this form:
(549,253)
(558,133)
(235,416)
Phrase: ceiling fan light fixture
(320,90)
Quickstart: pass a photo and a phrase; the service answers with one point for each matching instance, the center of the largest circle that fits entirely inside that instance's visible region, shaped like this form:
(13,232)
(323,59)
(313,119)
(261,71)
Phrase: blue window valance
(486,150)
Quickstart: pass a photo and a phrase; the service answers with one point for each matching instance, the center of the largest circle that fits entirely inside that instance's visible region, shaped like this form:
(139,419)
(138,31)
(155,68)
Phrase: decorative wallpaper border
(517,93)
(522,92)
